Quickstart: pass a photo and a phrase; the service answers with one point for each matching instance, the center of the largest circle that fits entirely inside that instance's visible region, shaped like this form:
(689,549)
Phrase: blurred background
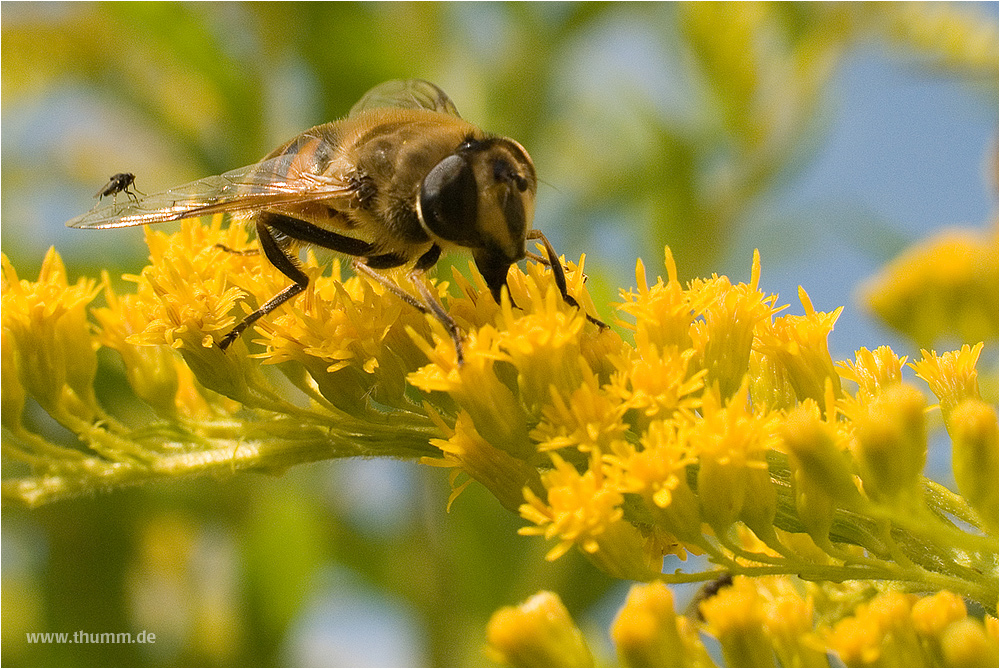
(830,136)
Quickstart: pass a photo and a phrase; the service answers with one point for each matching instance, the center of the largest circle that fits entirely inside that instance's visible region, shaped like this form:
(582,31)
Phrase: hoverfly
(119,183)
(400,179)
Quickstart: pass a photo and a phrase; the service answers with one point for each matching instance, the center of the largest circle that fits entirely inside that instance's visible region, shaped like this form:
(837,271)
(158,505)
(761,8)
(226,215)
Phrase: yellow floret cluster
(707,421)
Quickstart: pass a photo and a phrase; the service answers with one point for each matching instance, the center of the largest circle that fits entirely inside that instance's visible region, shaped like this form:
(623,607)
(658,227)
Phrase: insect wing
(406,94)
(288,179)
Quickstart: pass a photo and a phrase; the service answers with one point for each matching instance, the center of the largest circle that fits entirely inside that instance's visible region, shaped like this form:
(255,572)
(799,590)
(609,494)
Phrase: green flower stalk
(714,426)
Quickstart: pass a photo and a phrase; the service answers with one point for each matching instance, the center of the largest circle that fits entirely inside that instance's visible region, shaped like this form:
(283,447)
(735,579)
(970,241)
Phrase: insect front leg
(287,265)
(560,276)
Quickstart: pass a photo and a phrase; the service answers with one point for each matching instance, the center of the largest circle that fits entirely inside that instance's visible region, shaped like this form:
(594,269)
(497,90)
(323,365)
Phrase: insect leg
(537,258)
(560,275)
(238,252)
(274,251)
(430,303)
(545,261)
(313,234)
(424,263)
(286,264)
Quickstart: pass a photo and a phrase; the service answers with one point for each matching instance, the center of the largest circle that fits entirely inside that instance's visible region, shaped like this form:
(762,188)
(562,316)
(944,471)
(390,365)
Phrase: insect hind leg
(287,265)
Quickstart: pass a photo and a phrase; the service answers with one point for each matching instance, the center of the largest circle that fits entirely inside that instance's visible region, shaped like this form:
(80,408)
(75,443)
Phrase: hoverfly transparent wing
(292,178)
(406,94)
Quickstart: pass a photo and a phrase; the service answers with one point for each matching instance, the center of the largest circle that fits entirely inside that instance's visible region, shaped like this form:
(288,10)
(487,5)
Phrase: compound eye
(449,200)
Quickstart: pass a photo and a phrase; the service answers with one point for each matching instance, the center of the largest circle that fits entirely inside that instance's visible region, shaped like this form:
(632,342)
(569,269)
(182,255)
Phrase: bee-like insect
(119,183)
(397,181)
(705,593)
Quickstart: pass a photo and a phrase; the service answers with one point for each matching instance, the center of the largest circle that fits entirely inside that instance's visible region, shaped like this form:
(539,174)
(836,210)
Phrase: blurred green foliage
(223,571)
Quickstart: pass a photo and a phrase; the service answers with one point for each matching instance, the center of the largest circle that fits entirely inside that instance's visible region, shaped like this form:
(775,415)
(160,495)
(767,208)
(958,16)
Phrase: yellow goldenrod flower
(49,341)
(504,475)
(585,510)
(495,409)
(542,344)
(944,286)
(579,507)
(932,614)
(881,633)
(973,428)
(658,472)
(657,383)
(769,385)
(589,420)
(730,443)
(720,431)
(646,631)
(731,314)
(736,617)
(538,633)
(952,376)
(789,623)
(799,345)
(873,371)
(891,444)
(187,298)
(662,314)
(152,371)
(821,470)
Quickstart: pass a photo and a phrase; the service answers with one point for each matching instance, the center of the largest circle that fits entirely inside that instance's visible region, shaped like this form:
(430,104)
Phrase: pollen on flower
(579,508)
(590,420)
(662,313)
(799,344)
(952,375)
(873,371)
(658,383)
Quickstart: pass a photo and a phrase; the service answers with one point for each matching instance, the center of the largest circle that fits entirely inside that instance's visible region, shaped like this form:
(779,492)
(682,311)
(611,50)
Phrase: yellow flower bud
(821,471)
(537,633)
(891,445)
(645,630)
(932,614)
(973,428)
(737,618)
(964,643)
